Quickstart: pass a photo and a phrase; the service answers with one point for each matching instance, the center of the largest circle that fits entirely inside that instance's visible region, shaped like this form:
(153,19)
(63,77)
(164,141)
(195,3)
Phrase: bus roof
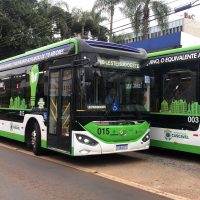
(41,49)
(173,51)
(72,45)
(112,46)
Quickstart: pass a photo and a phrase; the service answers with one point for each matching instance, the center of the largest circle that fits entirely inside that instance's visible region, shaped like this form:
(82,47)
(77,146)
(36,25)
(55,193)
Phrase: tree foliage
(119,38)
(81,17)
(17,20)
(107,6)
(85,22)
(25,25)
(138,11)
(29,24)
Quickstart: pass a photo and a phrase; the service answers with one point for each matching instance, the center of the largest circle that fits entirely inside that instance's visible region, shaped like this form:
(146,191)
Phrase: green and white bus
(55,97)
(175,99)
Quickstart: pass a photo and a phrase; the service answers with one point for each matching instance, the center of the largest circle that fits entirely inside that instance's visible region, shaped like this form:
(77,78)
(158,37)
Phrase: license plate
(121,147)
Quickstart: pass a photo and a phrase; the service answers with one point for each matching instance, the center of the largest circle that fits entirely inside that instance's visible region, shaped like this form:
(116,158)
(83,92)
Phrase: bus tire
(36,139)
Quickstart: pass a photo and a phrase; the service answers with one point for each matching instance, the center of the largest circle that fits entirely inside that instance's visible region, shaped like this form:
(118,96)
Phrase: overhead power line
(132,15)
(17,36)
(179,10)
(192,6)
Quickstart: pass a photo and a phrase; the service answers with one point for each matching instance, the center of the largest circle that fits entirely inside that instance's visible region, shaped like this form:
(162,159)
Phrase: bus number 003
(193,119)
(103,131)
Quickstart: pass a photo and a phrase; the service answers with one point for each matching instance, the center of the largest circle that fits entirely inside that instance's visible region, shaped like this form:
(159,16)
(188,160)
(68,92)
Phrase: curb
(100,174)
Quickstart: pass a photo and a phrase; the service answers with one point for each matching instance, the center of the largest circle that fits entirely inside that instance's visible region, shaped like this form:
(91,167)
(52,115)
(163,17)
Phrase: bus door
(60,84)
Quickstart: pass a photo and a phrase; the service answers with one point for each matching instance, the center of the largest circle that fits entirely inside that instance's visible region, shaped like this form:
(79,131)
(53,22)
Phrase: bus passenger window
(179,92)
(5,89)
(179,85)
(18,87)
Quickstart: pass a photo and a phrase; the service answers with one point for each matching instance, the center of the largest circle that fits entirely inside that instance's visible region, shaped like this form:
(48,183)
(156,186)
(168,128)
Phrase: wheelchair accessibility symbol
(115,107)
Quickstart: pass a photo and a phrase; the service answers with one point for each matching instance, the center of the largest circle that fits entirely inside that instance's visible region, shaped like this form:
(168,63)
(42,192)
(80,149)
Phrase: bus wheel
(36,139)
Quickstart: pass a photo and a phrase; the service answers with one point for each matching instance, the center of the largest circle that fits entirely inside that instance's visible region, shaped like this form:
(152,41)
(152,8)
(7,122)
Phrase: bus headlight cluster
(86,140)
(146,137)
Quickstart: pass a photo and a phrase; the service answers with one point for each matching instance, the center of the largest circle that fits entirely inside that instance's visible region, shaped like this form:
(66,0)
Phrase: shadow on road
(153,154)
(172,154)
(81,161)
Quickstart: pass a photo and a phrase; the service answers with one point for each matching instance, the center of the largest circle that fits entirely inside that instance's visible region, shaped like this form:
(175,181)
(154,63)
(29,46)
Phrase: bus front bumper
(80,148)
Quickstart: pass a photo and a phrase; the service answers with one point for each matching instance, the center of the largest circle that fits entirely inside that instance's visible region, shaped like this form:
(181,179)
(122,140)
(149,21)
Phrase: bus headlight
(86,140)
(146,137)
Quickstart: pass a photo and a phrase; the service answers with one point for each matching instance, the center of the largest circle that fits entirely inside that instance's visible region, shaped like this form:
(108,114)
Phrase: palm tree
(57,18)
(97,19)
(119,38)
(62,20)
(108,6)
(138,11)
(81,16)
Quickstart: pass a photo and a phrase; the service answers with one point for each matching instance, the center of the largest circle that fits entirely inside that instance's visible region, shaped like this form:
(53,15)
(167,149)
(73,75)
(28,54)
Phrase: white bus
(175,99)
(55,97)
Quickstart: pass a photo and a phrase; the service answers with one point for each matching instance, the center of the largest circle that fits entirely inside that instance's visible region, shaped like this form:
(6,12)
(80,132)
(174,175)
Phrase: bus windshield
(110,90)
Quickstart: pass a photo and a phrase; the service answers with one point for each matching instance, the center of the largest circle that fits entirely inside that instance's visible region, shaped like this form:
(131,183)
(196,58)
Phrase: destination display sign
(118,63)
(174,58)
(37,57)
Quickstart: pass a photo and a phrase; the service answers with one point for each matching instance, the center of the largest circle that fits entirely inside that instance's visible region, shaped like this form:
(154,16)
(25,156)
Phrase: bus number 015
(193,119)
(103,131)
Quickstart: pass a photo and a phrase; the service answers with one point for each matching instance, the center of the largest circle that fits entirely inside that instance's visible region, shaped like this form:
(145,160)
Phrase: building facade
(180,33)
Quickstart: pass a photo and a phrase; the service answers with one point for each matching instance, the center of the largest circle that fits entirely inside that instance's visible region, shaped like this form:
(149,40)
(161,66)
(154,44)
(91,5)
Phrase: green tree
(108,6)
(81,16)
(119,38)
(89,23)
(97,19)
(103,34)
(28,24)
(22,28)
(58,19)
(138,11)
(62,21)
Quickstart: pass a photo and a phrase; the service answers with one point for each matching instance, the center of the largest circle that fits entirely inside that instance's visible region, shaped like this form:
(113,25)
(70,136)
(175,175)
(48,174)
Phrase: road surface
(25,177)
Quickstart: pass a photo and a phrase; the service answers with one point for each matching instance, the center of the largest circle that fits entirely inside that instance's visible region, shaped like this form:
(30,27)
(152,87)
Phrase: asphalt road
(23,177)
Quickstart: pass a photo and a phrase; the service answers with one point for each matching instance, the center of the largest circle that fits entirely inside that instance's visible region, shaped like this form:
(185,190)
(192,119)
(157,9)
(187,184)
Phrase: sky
(84,4)
(118,17)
